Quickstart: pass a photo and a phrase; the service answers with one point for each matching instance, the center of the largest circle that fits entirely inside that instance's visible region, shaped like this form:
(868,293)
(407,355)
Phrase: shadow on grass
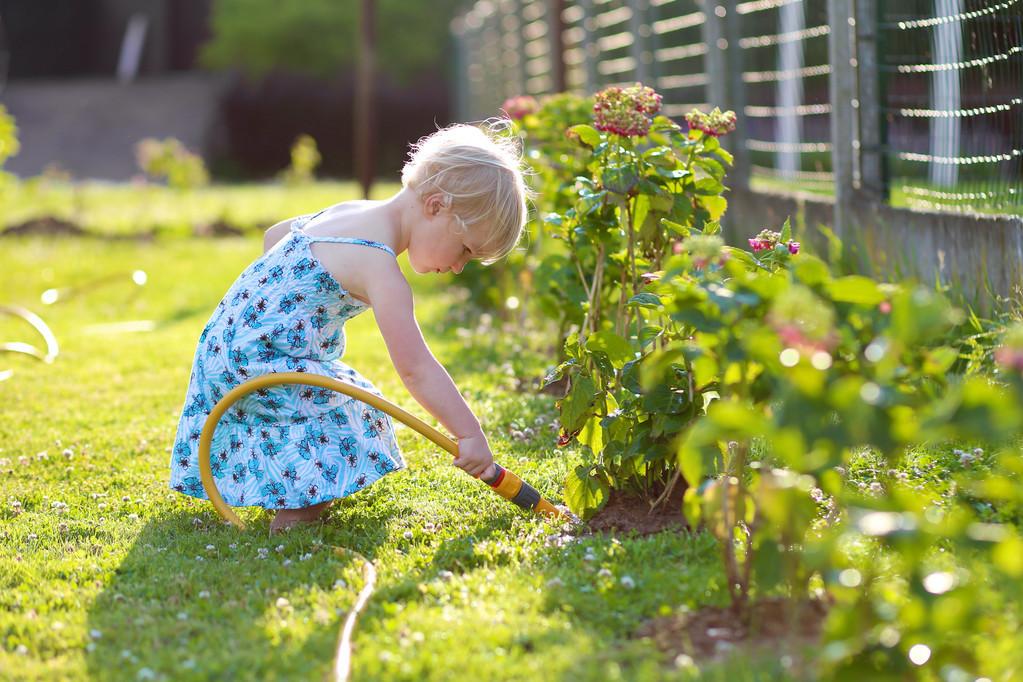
(196,599)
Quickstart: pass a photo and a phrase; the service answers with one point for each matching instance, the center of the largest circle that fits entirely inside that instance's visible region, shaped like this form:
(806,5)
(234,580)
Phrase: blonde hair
(479,172)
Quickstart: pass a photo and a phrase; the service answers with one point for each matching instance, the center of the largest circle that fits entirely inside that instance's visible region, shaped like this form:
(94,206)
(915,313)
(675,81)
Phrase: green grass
(107,574)
(125,209)
(131,580)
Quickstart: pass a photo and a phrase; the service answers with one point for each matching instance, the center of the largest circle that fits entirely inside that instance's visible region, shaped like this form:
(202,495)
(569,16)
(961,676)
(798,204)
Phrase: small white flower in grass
(188,664)
(262,552)
(90,646)
(306,556)
(684,661)
(554,583)
(604,573)
(627,582)
(340,584)
(101,505)
(95,634)
(31,536)
(57,625)
(287,562)
(233,545)
(22,650)
(876,488)
(978,452)
(126,654)
(42,456)
(133,517)
(182,616)
(446,576)
(204,594)
(407,535)
(429,527)
(23,461)
(283,603)
(146,674)
(210,548)
(126,498)
(199,558)
(280,548)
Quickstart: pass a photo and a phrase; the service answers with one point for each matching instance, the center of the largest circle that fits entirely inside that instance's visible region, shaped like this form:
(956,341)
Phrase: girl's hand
(474,456)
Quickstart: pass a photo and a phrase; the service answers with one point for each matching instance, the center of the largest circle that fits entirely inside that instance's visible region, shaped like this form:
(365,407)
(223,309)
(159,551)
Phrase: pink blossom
(715,124)
(625,111)
(793,247)
(520,107)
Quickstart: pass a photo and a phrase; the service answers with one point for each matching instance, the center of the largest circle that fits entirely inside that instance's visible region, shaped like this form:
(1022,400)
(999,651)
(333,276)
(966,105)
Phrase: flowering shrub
(519,107)
(170,160)
(305,157)
(715,123)
(625,111)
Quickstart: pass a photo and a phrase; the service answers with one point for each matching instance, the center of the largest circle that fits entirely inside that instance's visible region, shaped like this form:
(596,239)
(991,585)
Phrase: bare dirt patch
(624,513)
(45,227)
(774,624)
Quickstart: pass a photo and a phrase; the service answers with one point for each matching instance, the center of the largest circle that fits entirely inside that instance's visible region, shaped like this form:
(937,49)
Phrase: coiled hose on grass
(504,483)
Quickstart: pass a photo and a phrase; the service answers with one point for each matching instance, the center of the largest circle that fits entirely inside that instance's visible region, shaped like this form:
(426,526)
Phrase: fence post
(640,29)
(871,121)
(841,92)
(590,47)
(715,60)
(736,92)
(556,35)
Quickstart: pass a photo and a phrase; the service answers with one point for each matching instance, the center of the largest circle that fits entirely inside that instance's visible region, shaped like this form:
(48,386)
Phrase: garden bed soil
(714,632)
(45,227)
(624,513)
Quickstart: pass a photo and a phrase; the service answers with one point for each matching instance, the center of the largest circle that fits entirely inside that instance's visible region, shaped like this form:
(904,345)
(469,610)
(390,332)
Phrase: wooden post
(556,34)
(365,147)
(640,29)
(735,65)
(713,31)
(842,92)
(591,50)
(872,186)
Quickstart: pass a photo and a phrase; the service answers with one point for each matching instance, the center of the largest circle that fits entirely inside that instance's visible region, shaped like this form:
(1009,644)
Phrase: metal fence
(912,102)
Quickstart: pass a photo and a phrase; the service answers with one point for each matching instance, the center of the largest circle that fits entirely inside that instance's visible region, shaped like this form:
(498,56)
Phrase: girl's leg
(286,518)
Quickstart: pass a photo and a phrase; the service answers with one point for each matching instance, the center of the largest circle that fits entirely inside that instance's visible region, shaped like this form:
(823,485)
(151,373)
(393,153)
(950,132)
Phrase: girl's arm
(424,377)
(276,233)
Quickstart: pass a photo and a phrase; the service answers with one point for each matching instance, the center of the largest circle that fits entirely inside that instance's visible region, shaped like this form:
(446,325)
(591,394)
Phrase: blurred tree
(319,37)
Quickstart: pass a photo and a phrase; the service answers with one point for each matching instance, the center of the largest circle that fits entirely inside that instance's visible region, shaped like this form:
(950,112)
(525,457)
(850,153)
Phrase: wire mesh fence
(934,105)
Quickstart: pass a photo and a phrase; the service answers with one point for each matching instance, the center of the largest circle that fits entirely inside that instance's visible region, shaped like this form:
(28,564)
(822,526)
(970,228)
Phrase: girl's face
(436,245)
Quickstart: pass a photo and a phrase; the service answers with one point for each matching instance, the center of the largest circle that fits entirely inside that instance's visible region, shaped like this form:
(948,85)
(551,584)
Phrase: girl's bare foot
(288,518)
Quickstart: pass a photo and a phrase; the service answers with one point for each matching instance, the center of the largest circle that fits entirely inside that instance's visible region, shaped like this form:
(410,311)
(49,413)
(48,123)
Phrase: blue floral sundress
(288,446)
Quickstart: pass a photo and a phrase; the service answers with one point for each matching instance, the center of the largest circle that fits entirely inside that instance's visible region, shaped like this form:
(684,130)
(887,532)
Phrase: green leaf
(855,289)
(786,231)
(575,407)
(619,179)
(588,134)
(592,434)
(584,493)
(940,360)
(680,230)
(618,349)
(715,206)
(649,333)
(645,299)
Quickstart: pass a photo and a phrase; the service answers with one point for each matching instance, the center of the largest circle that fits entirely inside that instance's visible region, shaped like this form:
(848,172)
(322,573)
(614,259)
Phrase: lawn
(107,574)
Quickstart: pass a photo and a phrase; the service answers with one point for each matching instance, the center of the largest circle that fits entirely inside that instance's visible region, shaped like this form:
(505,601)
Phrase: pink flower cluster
(768,239)
(1010,358)
(715,123)
(625,111)
(520,107)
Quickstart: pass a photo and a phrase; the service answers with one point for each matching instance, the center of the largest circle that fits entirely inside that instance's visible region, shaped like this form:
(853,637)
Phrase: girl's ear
(433,204)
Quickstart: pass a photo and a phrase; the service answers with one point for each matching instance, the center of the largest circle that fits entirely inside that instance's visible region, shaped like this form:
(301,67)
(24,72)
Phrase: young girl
(296,448)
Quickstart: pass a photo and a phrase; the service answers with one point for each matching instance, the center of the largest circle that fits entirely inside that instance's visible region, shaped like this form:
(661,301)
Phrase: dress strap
(351,240)
(298,223)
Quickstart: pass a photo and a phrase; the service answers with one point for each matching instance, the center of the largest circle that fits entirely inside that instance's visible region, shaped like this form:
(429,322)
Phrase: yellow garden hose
(504,483)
